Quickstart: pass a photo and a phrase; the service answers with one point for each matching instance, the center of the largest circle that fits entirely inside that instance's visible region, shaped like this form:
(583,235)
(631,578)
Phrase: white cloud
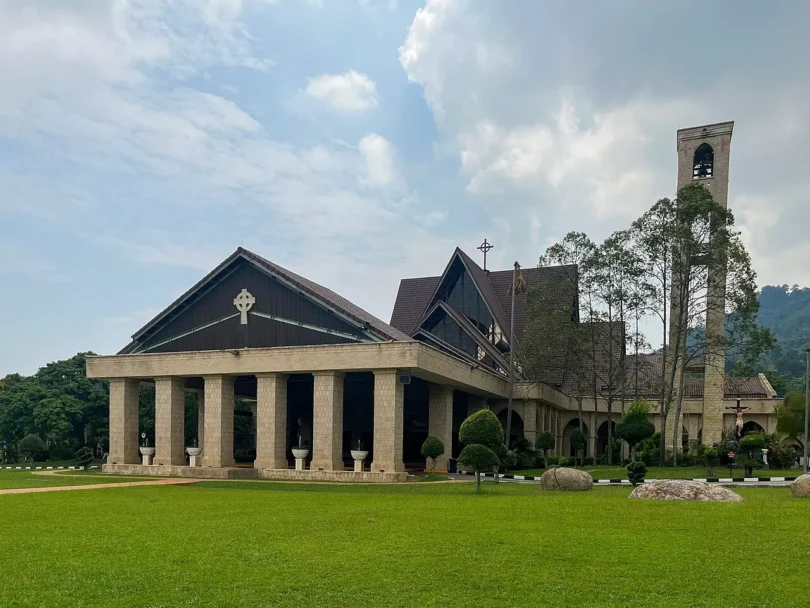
(381,161)
(350,91)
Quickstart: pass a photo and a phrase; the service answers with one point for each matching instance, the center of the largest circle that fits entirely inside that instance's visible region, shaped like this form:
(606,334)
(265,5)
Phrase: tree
(432,448)
(790,416)
(691,249)
(634,426)
(545,442)
(711,457)
(578,445)
(554,345)
(482,434)
(84,456)
(31,446)
(480,458)
(751,445)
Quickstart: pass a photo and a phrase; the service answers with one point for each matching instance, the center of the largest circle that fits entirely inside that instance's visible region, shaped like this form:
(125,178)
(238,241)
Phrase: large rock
(684,489)
(571,480)
(801,486)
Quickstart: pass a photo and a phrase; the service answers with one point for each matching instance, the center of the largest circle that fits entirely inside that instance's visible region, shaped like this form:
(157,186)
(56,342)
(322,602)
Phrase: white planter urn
(146,455)
(359,456)
(300,458)
(193,454)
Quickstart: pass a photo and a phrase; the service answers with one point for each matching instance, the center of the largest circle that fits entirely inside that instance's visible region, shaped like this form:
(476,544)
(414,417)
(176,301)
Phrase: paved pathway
(98,486)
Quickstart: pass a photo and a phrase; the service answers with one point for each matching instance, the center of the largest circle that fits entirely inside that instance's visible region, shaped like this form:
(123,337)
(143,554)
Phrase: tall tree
(690,249)
(554,345)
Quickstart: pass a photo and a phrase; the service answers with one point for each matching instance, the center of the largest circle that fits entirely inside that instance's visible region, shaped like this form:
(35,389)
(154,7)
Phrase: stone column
(530,420)
(170,401)
(124,421)
(327,422)
(219,407)
(388,422)
(271,422)
(440,422)
(201,419)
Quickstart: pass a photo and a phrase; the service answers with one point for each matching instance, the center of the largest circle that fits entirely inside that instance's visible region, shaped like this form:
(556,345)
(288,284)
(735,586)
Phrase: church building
(335,393)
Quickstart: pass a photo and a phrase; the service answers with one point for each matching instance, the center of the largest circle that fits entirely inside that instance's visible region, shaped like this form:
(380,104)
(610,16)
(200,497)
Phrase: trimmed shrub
(781,457)
(545,442)
(31,446)
(636,471)
(483,428)
(480,458)
(432,448)
(578,442)
(566,461)
(711,458)
(588,461)
(634,427)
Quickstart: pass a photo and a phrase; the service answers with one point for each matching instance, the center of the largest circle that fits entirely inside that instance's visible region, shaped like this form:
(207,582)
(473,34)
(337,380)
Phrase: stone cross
(244,302)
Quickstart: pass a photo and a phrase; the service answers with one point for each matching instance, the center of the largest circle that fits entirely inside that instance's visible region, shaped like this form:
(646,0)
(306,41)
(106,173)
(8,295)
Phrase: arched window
(703,165)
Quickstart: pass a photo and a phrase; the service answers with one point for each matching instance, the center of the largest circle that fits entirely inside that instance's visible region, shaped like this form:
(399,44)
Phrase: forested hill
(786,312)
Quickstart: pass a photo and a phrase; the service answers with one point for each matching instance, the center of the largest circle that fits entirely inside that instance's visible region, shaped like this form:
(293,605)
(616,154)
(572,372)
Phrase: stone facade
(389,410)
(440,422)
(327,422)
(170,401)
(124,421)
(219,408)
(271,425)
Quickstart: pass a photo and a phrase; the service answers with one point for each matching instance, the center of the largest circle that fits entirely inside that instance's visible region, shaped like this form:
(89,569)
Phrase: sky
(357,142)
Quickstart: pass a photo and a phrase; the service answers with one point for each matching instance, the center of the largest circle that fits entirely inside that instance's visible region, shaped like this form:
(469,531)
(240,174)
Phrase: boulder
(684,489)
(570,480)
(801,486)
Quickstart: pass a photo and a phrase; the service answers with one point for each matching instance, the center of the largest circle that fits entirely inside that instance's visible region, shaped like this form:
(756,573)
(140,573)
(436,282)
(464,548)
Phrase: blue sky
(358,142)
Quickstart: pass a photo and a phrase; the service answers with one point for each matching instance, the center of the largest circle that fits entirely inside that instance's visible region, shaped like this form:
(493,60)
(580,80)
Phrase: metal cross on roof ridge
(485,247)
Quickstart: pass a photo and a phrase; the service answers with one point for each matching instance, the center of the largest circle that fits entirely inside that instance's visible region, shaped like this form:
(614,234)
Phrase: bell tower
(703,157)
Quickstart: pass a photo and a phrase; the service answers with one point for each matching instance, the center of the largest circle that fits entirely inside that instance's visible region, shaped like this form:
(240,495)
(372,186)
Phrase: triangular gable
(338,318)
(461,322)
(479,279)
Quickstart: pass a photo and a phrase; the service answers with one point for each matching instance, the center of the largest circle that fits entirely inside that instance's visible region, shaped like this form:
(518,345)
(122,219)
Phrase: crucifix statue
(244,302)
(739,409)
(485,247)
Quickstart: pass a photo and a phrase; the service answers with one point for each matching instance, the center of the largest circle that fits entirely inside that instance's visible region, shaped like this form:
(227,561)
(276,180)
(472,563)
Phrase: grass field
(604,472)
(26,479)
(439,544)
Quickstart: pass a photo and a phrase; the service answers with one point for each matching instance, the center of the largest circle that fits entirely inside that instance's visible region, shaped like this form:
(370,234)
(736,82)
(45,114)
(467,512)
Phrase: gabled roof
(471,330)
(320,294)
(415,295)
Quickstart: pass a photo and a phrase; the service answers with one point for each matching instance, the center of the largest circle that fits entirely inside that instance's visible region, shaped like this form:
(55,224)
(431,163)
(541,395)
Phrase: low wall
(339,476)
(246,473)
(165,470)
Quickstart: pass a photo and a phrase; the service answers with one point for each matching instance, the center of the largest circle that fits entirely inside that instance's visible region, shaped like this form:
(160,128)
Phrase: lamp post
(806,402)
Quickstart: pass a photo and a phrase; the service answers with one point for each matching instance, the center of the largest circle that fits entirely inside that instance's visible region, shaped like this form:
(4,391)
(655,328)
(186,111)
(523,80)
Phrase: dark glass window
(441,325)
(462,295)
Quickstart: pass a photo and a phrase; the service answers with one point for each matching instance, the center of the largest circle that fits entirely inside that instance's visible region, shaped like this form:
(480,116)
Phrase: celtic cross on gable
(244,302)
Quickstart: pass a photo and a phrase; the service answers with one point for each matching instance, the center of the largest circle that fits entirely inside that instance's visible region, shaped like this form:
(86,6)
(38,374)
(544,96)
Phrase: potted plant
(146,451)
(359,455)
(193,454)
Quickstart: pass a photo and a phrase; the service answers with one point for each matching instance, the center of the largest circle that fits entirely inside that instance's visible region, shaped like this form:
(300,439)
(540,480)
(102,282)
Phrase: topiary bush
(84,456)
(31,446)
(751,446)
(484,428)
(566,461)
(711,458)
(545,442)
(636,471)
(432,448)
(578,442)
(480,458)
(635,428)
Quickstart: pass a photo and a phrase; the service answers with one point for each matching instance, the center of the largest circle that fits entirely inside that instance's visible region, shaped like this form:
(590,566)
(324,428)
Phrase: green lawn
(604,472)
(269,544)
(26,479)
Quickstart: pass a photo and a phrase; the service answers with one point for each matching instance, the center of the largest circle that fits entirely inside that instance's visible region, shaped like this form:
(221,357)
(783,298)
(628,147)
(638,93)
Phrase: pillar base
(146,460)
(300,464)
